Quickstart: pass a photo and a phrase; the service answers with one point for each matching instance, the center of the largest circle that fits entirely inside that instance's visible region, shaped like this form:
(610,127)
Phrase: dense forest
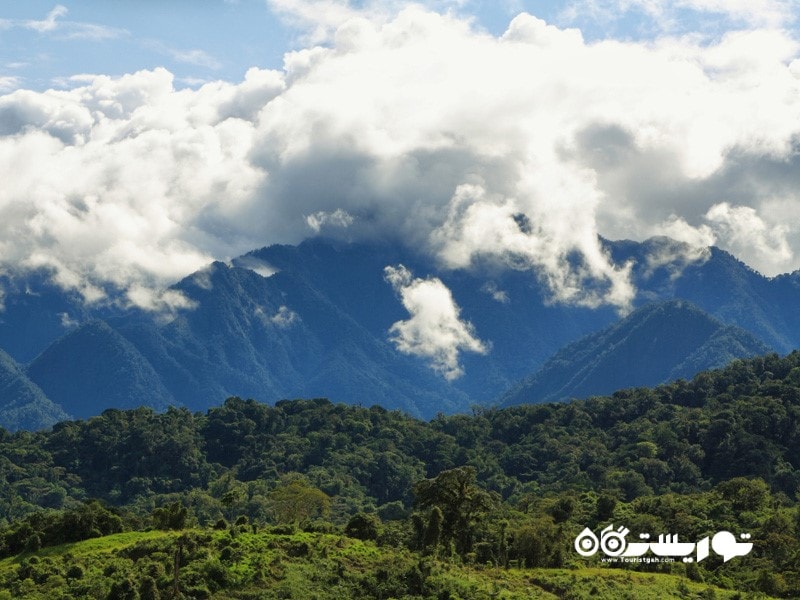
(501,492)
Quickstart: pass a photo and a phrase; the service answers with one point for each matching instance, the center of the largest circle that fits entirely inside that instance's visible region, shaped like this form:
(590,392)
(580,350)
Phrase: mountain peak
(93,368)
(654,344)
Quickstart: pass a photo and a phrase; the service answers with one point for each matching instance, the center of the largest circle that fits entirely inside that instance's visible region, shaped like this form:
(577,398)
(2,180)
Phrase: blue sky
(196,40)
(140,140)
(42,42)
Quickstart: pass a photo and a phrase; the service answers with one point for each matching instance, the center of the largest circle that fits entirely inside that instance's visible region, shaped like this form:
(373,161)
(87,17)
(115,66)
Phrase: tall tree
(461,501)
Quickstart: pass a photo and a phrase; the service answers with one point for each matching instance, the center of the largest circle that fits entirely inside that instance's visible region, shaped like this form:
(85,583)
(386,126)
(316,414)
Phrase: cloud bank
(415,126)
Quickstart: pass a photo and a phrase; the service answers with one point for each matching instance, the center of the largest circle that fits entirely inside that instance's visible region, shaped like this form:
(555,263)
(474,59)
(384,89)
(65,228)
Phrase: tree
(744,494)
(433,532)
(148,589)
(172,516)
(538,543)
(461,501)
(296,500)
(363,526)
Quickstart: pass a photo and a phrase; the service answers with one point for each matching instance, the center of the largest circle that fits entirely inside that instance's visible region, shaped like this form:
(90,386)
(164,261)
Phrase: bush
(363,527)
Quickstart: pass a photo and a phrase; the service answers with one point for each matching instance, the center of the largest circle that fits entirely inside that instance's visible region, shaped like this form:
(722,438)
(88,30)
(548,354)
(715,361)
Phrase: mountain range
(315,320)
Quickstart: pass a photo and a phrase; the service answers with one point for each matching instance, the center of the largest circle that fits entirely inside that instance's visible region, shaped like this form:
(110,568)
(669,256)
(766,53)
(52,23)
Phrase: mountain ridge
(314,320)
(23,404)
(656,344)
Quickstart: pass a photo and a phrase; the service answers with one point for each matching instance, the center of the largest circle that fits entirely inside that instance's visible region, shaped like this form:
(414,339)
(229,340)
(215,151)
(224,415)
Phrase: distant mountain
(720,284)
(279,337)
(655,344)
(94,368)
(23,405)
(313,320)
(35,312)
(508,308)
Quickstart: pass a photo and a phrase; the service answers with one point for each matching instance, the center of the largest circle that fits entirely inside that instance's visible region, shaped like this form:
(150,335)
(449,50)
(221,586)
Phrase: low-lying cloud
(413,126)
(435,330)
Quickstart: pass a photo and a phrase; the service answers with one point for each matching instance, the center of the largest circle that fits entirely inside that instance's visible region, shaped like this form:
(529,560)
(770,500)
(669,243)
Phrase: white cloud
(541,236)
(678,229)
(164,302)
(284,318)
(90,31)
(53,23)
(321,21)
(8,83)
(67,322)
(50,22)
(745,232)
(257,266)
(189,56)
(435,330)
(322,219)
(415,127)
(123,182)
(501,296)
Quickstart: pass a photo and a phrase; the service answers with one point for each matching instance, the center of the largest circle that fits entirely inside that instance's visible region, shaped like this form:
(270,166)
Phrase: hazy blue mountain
(508,308)
(314,319)
(721,285)
(655,344)
(279,337)
(23,405)
(93,368)
(35,313)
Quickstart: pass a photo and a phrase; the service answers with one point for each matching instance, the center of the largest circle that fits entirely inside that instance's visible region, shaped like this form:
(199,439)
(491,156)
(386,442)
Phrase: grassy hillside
(237,563)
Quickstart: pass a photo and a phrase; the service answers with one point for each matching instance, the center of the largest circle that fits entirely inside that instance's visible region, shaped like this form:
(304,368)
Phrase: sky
(141,140)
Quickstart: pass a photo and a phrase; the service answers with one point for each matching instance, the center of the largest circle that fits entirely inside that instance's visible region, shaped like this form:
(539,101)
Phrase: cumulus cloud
(435,330)
(414,126)
(124,182)
(746,233)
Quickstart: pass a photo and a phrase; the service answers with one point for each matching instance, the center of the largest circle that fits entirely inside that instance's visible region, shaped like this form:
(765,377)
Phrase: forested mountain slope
(743,420)
(656,344)
(718,453)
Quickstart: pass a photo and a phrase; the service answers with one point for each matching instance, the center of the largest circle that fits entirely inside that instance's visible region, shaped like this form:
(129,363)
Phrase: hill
(655,344)
(718,283)
(243,564)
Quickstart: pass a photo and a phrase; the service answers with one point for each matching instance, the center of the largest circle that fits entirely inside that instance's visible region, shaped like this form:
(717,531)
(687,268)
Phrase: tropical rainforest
(310,499)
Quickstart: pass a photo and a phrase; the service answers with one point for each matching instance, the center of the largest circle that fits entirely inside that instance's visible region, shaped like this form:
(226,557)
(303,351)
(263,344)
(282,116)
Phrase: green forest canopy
(721,451)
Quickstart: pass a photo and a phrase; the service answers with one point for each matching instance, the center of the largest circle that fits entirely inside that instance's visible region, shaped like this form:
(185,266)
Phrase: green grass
(100,545)
(306,566)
